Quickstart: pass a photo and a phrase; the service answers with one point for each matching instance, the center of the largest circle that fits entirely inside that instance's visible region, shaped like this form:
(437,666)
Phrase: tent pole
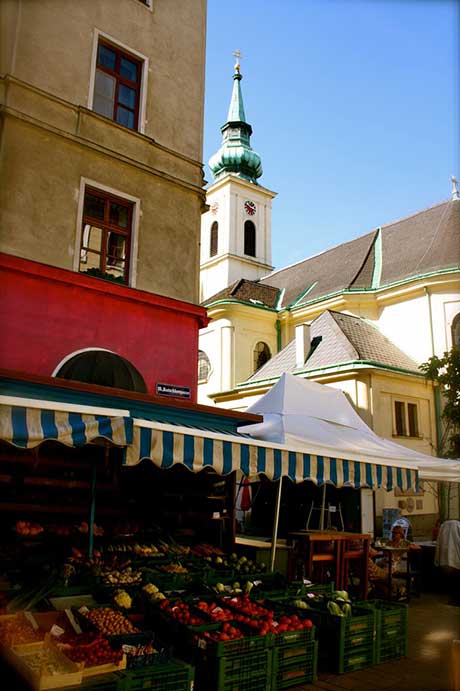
(92,510)
(323,508)
(275,525)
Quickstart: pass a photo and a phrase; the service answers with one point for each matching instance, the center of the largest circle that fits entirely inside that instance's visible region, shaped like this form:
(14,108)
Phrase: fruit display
(109,622)
(17,630)
(181,612)
(83,527)
(153,592)
(123,599)
(173,568)
(44,662)
(127,576)
(92,649)
(228,633)
(215,612)
(244,605)
(25,528)
(141,550)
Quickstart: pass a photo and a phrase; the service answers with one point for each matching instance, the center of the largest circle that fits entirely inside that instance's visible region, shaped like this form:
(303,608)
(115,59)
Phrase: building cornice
(249,186)
(73,134)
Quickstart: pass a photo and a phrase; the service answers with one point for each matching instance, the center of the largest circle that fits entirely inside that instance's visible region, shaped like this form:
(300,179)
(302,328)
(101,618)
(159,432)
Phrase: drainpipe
(278,335)
(437,408)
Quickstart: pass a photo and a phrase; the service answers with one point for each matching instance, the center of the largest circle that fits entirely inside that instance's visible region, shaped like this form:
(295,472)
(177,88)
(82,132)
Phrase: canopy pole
(92,509)
(275,525)
(323,508)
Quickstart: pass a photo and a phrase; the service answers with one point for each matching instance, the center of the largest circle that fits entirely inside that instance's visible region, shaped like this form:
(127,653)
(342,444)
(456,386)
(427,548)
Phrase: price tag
(56,631)
(75,625)
(202,644)
(83,610)
(257,583)
(31,619)
(307,582)
(128,648)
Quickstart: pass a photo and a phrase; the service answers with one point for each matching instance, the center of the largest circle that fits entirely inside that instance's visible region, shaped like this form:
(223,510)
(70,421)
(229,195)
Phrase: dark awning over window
(103,368)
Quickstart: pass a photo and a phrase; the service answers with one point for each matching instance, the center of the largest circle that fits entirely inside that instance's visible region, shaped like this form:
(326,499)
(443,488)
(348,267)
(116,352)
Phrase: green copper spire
(235,154)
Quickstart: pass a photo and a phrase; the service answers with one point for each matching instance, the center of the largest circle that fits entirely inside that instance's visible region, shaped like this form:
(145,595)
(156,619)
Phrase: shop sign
(175,391)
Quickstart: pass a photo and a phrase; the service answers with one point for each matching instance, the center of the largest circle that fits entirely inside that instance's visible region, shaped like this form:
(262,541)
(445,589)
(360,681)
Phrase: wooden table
(310,550)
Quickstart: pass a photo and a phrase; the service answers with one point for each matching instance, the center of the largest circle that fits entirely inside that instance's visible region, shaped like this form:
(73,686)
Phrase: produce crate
(105,682)
(174,675)
(320,588)
(345,643)
(301,670)
(234,672)
(292,646)
(23,658)
(391,627)
(234,648)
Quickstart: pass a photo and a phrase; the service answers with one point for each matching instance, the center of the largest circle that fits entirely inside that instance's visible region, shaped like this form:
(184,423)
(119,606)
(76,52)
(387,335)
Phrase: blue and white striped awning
(27,427)
(165,445)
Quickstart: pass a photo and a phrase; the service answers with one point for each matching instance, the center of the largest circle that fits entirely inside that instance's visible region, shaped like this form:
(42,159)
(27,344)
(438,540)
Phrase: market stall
(212,625)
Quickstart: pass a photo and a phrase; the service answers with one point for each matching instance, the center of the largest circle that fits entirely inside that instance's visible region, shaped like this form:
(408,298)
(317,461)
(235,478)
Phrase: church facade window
(249,239)
(456,331)
(204,367)
(214,240)
(262,355)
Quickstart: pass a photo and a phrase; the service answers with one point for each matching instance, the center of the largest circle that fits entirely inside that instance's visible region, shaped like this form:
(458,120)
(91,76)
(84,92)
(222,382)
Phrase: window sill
(405,436)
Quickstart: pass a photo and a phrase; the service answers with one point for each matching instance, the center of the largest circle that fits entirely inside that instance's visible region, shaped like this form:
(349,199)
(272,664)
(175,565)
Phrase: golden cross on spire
(238,54)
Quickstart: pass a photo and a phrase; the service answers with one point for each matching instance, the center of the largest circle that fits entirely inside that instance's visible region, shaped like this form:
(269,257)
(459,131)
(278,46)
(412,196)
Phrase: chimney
(302,344)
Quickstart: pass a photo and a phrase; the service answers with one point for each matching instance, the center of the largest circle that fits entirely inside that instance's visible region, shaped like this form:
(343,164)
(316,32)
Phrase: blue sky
(354,106)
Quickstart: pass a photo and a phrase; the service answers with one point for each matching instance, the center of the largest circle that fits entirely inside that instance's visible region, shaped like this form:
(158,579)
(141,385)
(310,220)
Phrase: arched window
(204,366)
(262,355)
(456,331)
(213,245)
(249,238)
(104,368)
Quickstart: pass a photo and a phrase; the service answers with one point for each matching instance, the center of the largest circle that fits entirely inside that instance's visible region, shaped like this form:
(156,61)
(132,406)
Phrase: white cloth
(448,545)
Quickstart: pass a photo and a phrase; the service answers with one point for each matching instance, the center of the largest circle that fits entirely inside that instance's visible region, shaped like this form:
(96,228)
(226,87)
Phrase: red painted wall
(48,313)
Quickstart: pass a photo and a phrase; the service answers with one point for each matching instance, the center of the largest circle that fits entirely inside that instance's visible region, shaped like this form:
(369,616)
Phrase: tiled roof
(336,339)
(424,242)
(250,292)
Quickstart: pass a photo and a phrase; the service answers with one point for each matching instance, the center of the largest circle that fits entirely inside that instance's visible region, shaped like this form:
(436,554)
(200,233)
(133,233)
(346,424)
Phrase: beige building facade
(123,115)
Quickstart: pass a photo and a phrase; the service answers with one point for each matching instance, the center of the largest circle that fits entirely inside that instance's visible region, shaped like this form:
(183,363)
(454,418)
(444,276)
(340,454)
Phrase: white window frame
(406,402)
(148,4)
(98,35)
(135,201)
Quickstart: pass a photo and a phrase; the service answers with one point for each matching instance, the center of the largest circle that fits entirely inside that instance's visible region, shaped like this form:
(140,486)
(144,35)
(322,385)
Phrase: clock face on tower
(249,207)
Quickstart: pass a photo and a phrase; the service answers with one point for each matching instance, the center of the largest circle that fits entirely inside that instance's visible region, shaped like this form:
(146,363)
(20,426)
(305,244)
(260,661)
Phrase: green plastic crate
(224,673)
(391,639)
(302,670)
(233,648)
(291,646)
(104,682)
(345,643)
(174,675)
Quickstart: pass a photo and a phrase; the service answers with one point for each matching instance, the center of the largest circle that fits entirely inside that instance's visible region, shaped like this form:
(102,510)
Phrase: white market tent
(319,419)
(303,414)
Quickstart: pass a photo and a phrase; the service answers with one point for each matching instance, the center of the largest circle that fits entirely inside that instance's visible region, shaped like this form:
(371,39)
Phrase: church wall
(406,320)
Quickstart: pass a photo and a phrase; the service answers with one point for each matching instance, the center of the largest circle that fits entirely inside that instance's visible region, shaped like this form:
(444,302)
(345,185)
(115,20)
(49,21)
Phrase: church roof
(336,339)
(250,292)
(425,242)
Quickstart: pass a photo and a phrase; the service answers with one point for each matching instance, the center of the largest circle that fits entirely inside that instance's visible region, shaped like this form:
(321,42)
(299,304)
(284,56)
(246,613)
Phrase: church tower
(236,231)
